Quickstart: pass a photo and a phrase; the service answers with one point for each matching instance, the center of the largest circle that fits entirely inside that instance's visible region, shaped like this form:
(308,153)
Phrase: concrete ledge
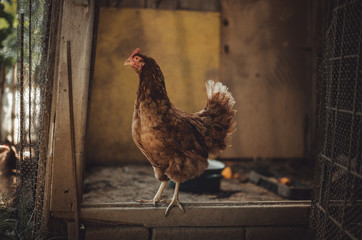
(111,233)
(288,213)
(280,233)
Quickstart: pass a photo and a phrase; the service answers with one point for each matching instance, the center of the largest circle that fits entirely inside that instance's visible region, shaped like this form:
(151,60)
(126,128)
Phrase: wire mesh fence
(337,206)
(29,103)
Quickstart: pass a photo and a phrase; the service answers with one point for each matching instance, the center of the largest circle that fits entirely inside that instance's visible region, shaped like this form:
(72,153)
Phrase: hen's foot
(146,201)
(174,202)
(154,201)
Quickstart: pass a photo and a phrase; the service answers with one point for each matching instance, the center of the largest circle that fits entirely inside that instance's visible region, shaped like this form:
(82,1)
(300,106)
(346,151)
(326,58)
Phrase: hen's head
(136,61)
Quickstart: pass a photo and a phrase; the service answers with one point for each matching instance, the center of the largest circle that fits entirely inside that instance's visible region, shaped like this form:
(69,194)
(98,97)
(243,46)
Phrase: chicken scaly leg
(158,195)
(175,201)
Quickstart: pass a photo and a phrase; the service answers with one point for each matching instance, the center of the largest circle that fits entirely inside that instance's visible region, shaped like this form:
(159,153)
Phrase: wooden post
(72,138)
(22,87)
(50,95)
(81,34)
(2,90)
(29,78)
(65,163)
(13,89)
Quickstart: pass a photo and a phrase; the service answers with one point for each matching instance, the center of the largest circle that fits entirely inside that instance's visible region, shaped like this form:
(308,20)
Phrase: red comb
(137,50)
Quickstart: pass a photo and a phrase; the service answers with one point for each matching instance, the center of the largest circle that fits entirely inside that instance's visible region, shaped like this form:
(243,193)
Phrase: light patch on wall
(186,46)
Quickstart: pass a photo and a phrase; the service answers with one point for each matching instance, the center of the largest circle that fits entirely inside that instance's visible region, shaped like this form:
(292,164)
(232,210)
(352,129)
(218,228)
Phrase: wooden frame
(77,23)
(247,220)
(229,214)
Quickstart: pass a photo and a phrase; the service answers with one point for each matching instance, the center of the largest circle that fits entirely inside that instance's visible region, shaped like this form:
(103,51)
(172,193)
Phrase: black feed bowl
(209,181)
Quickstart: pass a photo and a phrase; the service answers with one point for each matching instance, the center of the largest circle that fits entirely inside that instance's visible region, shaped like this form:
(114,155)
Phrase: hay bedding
(134,182)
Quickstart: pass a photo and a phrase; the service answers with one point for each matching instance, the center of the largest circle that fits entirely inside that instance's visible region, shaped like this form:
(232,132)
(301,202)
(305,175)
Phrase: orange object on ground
(227,173)
(285,181)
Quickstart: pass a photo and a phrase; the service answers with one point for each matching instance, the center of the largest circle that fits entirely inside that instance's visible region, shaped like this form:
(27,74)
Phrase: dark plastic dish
(209,181)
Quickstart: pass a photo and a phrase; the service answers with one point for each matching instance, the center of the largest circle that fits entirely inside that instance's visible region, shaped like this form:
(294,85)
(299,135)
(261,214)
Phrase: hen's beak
(127,62)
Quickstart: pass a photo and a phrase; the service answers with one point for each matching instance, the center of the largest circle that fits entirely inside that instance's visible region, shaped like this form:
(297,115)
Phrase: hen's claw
(154,201)
(174,202)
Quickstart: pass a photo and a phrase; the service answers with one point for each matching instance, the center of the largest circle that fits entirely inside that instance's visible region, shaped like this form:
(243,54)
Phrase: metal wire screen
(337,206)
(31,106)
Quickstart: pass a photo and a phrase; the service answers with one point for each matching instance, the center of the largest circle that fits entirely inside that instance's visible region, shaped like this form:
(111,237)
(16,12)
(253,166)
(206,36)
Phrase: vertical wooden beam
(2,90)
(13,89)
(77,27)
(72,137)
(21,87)
(29,78)
(50,96)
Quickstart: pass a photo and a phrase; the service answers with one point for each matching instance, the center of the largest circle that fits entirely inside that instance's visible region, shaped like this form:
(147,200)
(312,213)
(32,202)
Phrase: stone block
(198,233)
(277,233)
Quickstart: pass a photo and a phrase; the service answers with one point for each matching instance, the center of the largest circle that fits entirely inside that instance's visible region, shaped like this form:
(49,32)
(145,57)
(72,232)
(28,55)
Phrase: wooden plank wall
(266,63)
(265,56)
(196,5)
(76,27)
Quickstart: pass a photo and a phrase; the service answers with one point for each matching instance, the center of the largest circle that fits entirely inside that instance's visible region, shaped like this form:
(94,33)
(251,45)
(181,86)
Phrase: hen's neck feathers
(152,83)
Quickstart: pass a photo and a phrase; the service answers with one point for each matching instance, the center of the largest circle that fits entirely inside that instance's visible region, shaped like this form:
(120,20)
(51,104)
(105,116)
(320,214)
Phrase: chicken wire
(337,205)
(31,107)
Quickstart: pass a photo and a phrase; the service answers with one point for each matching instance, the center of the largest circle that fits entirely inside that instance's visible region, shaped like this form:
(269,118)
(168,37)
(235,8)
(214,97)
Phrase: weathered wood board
(196,5)
(77,27)
(264,61)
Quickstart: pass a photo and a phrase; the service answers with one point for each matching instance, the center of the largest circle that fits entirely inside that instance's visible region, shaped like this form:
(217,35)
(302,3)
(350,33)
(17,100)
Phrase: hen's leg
(158,195)
(175,201)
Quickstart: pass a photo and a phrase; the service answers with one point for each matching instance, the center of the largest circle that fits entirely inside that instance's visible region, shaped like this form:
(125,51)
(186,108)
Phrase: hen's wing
(217,117)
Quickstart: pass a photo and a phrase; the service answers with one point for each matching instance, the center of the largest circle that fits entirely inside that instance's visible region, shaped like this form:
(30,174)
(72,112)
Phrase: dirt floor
(134,182)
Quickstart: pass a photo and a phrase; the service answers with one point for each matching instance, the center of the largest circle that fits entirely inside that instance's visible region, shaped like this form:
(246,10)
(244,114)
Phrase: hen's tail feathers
(219,117)
(213,89)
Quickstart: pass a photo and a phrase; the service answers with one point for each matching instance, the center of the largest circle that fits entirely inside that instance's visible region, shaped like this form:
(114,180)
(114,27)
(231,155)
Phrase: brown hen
(176,143)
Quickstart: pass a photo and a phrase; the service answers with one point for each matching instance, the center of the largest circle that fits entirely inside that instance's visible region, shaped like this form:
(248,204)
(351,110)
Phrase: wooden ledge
(280,213)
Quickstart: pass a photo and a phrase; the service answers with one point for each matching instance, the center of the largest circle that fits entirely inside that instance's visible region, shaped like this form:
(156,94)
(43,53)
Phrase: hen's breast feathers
(171,141)
(165,133)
